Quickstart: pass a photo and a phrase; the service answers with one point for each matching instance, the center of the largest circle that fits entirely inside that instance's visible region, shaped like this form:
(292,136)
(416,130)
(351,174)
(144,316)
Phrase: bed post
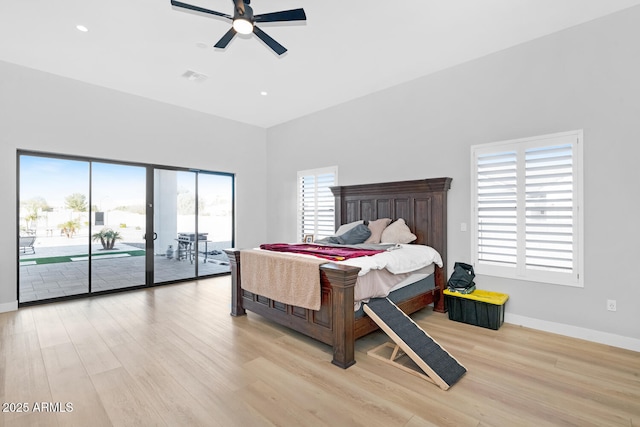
(236,289)
(342,279)
(438,296)
(439,235)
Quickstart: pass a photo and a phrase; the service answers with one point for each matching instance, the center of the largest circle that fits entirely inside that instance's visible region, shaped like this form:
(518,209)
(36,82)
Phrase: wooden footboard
(334,324)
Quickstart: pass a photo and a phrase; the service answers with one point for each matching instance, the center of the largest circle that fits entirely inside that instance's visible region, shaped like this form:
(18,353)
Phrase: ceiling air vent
(194,76)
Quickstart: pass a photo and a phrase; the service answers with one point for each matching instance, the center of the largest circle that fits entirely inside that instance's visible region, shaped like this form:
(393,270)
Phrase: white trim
(319,171)
(8,306)
(600,337)
(576,279)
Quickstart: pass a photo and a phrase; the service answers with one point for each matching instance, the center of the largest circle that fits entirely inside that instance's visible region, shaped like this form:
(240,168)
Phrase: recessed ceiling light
(82,28)
(202,45)
(194,76)
(264,93)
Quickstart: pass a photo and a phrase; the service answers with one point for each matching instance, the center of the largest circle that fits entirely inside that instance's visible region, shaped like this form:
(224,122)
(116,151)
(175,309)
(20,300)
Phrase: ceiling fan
(243,22)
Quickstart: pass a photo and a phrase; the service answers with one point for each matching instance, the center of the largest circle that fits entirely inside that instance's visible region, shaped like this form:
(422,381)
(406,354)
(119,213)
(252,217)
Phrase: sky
(114,185)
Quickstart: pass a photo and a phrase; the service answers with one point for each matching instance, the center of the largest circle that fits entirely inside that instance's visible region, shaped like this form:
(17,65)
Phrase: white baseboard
(574,332)
(8,306)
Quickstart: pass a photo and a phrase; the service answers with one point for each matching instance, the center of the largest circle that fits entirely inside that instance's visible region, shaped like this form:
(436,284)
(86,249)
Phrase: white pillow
(346,227)
(397,232)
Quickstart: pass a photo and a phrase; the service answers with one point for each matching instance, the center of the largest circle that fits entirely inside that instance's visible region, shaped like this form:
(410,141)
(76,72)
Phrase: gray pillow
(357,234)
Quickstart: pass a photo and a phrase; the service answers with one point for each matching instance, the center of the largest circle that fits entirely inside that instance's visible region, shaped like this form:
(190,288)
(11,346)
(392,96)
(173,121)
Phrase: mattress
(378,283)
(405,291)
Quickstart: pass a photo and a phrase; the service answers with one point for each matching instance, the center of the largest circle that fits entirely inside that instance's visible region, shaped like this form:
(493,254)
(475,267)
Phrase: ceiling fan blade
(199,9)
(277,47)
(285,15)
(224,41)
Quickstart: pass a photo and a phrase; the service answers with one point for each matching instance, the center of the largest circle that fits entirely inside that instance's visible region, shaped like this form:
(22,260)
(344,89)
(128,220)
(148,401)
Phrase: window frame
(300,234)
(520,271)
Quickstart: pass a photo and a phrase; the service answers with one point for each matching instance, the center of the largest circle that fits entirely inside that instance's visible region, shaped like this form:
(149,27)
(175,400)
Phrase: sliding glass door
(193,221)
(89,226)
(54,234)
(174,223)
(215,221)
(118,200)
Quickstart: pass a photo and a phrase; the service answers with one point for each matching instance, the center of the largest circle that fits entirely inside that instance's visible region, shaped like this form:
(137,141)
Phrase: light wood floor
(174,356)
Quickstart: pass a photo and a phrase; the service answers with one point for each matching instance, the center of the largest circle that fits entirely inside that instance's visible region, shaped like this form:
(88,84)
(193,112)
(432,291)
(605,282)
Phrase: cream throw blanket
(289,279)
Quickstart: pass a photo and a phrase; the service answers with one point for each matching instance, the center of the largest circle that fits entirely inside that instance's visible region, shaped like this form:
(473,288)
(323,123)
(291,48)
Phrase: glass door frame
(149,221)
(150,231)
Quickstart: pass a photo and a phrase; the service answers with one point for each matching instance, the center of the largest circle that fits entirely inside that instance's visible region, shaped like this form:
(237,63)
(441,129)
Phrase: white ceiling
(345,50)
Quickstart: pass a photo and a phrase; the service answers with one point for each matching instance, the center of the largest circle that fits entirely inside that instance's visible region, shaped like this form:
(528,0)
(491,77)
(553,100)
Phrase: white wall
(43,112)
(585,78)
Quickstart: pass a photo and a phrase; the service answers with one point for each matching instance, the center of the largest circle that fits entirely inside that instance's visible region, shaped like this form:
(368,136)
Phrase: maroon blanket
(332,253)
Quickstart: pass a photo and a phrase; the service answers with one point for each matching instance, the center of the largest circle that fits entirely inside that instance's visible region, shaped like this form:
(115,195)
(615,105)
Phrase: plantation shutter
(497,203)
(526,218)
(316,203)
(549,208)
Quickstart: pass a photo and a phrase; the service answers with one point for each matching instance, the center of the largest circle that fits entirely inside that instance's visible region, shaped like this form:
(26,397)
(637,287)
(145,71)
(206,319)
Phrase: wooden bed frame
(421,203)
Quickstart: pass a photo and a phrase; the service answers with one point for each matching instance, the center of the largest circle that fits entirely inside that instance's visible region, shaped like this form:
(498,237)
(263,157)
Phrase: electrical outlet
(611,305)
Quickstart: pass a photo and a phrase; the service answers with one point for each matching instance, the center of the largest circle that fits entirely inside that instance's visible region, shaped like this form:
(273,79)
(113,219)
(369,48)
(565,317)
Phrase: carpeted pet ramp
(425,353)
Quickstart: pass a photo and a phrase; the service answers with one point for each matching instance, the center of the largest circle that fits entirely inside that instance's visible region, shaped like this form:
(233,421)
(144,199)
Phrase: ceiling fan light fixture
(242,26)
(243,21)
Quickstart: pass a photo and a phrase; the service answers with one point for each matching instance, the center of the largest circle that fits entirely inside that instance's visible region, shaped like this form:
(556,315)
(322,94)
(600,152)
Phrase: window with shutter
(526,213)
(316,210)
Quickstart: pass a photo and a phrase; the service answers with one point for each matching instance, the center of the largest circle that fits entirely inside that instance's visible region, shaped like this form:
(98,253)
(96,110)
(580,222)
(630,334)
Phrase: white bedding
(404,259)
(381,273)
(380,283)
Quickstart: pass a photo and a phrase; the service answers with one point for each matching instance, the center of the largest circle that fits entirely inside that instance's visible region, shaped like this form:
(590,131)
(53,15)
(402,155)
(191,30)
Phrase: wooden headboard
(421,203)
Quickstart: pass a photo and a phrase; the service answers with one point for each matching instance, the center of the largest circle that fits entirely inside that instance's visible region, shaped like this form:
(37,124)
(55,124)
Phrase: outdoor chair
(26,244)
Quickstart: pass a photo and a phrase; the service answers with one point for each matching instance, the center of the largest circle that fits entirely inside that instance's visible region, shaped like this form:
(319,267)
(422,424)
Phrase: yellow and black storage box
(480,308)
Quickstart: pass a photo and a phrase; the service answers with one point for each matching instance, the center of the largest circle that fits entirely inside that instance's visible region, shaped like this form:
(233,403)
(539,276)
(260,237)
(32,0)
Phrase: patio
(58,270)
